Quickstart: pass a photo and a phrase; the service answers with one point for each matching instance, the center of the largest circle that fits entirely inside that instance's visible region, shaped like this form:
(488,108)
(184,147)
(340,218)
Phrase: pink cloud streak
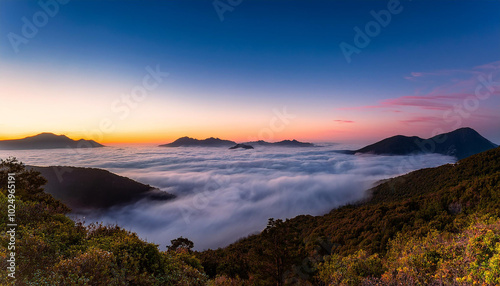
(343,121)
(452,90)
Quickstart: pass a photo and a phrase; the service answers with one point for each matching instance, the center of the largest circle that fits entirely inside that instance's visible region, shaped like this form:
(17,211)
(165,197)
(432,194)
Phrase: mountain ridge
(283,143)
(47,140)
(192,142)
(217,142)
(85,189)
(460,143)
(444,199)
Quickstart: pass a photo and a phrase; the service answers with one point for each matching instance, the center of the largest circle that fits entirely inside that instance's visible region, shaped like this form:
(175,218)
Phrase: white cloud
(224,195)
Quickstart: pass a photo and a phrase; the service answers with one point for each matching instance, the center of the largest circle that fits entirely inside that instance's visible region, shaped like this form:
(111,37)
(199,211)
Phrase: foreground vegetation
(365,243)
(437,226)
(51,249)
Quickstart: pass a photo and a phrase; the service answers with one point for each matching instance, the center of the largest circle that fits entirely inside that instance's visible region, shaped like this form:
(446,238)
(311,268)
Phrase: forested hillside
(437,226)
(428,207)
(51,249)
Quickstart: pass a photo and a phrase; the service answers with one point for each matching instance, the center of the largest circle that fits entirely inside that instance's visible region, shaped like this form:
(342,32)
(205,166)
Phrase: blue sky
(226,77)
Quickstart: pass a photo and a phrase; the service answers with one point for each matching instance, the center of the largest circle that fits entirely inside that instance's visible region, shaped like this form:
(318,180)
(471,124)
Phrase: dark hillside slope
(395,145)
(442,198)
(460,143)
(191,142)
(91,188)
(47,141)
(418,201)
(51,249)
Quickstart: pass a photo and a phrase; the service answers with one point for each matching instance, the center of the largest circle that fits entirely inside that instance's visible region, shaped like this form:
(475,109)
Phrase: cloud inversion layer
(225,194)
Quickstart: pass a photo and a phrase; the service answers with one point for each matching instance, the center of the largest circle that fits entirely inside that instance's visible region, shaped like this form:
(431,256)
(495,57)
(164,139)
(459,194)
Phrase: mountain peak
(461,143)
(46,134)
(47,140)
(191,142)
(283,143)
(464,130)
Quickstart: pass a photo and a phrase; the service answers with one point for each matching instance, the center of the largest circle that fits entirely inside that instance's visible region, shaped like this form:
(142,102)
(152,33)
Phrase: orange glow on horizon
(160,137)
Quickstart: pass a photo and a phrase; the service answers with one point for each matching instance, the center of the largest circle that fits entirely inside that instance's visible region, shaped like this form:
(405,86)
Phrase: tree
(354,269)
(277,251)
(180,243)
(28,184)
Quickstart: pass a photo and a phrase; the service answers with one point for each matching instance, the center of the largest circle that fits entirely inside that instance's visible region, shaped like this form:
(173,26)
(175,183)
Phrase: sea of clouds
(223,195)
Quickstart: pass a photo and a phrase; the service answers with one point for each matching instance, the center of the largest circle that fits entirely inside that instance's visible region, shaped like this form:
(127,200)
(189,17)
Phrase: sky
(318,71)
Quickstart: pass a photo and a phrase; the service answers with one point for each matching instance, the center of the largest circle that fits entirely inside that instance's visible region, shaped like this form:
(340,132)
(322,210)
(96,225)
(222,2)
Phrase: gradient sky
(423,73)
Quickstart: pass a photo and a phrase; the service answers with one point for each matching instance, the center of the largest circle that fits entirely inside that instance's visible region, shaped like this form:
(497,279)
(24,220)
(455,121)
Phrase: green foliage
(353,269)
(467,258)
(93,267)
(29,185)
(434,226)
(51,249)
(435,201)
(227,281)
(276,252)
(180,242)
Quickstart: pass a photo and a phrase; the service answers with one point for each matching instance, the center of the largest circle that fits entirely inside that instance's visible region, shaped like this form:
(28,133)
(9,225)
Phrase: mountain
(284,143)
(191,142)
(460,143)
(414,218)
(90,188)
(47,141)
(216,142)
(56,250)
(241,146)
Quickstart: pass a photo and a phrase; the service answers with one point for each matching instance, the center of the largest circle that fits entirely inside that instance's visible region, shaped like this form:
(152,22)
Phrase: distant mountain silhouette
(90,188)
(241,146)
(191,142)
(216,142)
(460,143)
(47,141)
(284,143)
